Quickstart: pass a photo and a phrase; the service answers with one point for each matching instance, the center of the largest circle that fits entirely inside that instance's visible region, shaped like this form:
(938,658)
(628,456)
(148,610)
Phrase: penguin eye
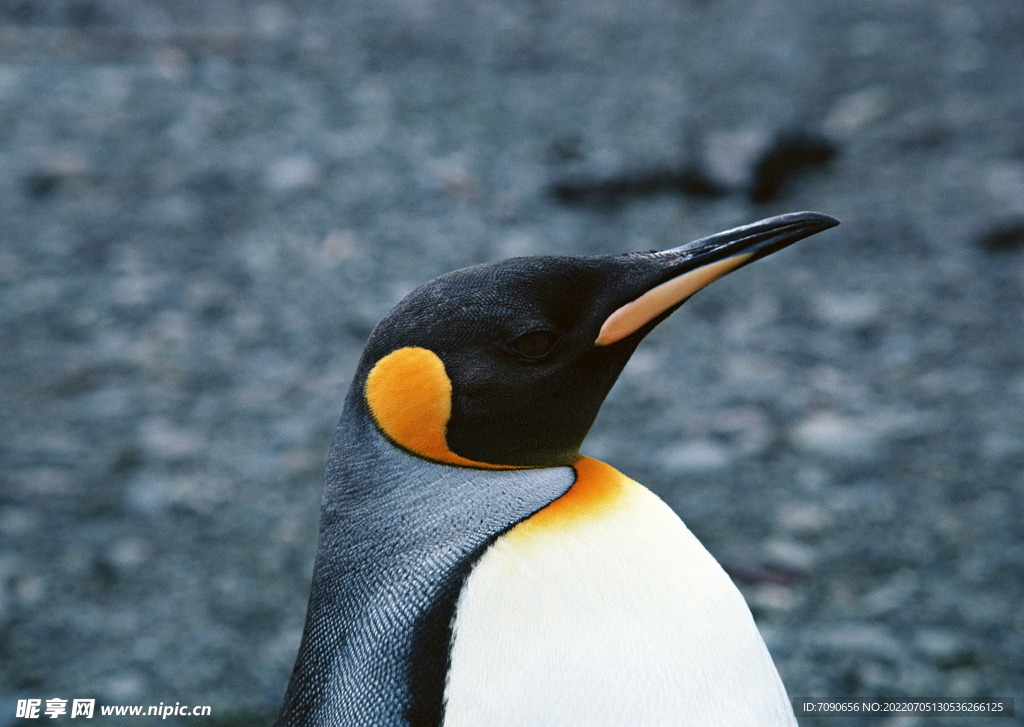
(534,344)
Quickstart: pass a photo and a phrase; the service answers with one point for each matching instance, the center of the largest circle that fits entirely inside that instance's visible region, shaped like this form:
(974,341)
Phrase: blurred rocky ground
(205,206)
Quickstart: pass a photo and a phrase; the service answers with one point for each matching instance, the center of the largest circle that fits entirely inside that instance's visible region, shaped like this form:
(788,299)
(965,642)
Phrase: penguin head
(506,364)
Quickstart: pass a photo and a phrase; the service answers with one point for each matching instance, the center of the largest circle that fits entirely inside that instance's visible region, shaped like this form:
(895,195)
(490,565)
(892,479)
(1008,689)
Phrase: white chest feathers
(604,609)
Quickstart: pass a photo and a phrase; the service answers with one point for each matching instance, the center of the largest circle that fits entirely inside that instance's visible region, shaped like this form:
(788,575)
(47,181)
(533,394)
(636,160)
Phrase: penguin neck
(398,537)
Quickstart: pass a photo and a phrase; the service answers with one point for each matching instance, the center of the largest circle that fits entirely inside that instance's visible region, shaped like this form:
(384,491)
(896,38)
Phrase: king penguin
(473,568)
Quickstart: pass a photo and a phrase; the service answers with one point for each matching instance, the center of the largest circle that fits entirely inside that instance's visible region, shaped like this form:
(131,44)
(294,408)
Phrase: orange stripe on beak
(637,313)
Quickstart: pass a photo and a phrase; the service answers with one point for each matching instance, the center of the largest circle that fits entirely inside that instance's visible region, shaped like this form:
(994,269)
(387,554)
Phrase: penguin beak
(695,265)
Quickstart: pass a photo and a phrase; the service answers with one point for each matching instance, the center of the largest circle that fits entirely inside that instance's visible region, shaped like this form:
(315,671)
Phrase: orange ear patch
(598,489)
(410,397)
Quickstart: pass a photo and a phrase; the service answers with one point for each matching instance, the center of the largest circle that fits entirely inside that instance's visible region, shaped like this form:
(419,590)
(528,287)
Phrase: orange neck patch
(597,490)
(410,397)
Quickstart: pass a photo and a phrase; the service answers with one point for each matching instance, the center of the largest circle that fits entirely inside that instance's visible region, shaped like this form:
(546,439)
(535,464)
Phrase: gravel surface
(205,206)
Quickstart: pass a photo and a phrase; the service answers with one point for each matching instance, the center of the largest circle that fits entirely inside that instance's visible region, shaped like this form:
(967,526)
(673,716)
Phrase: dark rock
(792,156)
(1005,236)
(687,181)
(42,185)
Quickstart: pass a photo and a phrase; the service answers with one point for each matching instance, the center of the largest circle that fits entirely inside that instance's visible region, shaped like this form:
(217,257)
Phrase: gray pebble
(791,555)
(696,456)
(873,640)
(943,648)
(841,437)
